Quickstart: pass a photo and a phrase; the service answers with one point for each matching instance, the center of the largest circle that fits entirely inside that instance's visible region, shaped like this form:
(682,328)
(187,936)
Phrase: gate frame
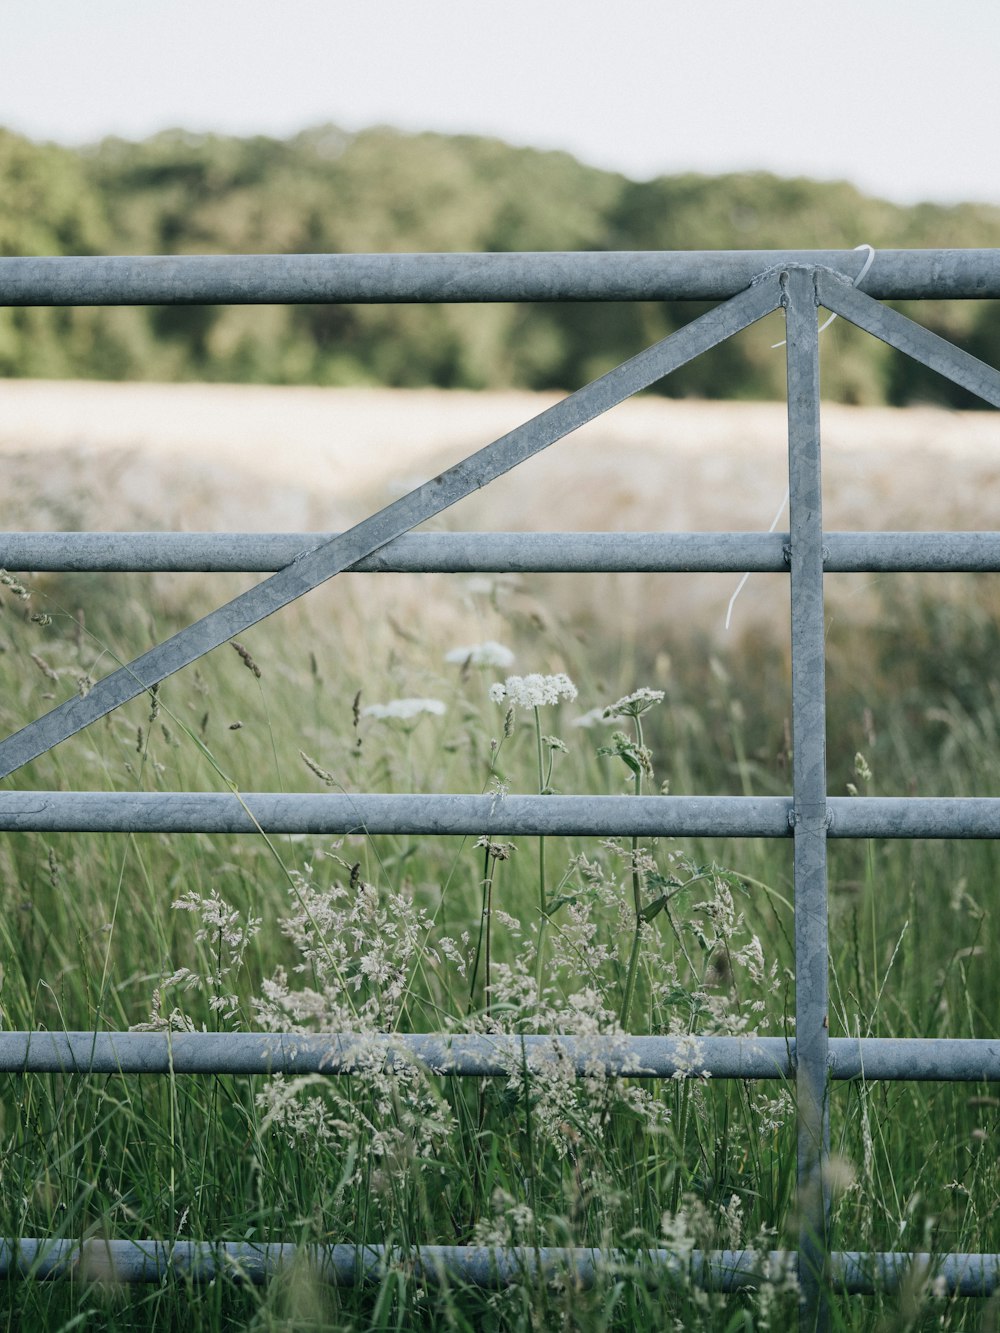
(749,285)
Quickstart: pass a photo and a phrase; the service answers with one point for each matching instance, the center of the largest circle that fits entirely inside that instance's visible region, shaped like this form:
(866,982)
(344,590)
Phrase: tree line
(326,190)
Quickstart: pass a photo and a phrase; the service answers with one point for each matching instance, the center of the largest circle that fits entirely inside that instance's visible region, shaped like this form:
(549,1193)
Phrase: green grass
(388,934)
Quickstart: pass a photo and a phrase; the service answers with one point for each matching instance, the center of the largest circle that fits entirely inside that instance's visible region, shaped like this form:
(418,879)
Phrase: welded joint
(818,272)
(796,817)
(786,553)
(782,272)
(824,271)
(779,271)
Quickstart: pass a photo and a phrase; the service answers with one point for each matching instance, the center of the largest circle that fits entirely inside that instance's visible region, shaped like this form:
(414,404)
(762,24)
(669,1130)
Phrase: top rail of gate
(642,275)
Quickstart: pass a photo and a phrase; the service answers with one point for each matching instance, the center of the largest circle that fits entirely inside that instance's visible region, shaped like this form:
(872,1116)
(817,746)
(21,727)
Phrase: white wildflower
(731,1219)
(752,958)
(490,654)
(533,691)
(677,1231)
(404,708)
(358,948)
(451,951)
(227,934)
(499,791)
(772,1112)
(689,1057)
(634,704)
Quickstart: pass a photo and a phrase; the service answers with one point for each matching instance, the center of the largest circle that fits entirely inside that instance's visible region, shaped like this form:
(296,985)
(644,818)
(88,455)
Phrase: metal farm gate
(748,286)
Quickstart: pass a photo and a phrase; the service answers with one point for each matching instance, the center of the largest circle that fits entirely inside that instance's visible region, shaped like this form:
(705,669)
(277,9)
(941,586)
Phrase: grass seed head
(16,587)
(246,659)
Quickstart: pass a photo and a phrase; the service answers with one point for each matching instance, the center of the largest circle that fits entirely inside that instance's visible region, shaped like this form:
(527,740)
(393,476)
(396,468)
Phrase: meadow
(426,683)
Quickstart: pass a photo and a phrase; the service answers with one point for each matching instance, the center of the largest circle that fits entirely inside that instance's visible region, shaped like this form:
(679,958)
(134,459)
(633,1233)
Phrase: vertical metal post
(810,790)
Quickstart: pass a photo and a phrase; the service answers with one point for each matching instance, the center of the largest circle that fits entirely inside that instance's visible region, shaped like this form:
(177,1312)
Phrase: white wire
(739,586)
(742,583)
(867,265)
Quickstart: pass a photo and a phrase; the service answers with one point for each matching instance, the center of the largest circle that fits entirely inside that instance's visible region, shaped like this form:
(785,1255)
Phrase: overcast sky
(900,96)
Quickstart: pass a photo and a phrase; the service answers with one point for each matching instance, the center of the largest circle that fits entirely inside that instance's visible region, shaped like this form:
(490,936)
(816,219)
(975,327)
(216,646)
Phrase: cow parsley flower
(533,691)
(490,653)
(404,708)
(635,704)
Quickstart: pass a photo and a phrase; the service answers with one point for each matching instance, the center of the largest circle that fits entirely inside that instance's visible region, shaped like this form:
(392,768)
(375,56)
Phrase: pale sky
(902,97)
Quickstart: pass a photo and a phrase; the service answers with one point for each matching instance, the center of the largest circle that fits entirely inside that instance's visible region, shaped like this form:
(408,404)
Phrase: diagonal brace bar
(322,563)
(909,337)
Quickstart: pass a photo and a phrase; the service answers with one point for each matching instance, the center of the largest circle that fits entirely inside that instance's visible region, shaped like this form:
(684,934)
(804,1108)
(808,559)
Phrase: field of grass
(379,934)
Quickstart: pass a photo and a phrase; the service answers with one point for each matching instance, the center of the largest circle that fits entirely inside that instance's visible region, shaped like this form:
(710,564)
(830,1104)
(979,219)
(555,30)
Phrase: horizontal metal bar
(915,552)
(645,275)
(130,1262)
(322,813)
(342,1053)
(870,1059)
(914,817)
(859,1274)
(354,1265)
(431,552)
(500,552)
(530,816)
(915,1059)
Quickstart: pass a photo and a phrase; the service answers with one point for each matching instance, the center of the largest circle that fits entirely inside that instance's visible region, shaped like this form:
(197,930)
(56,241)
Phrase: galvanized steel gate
(749,286)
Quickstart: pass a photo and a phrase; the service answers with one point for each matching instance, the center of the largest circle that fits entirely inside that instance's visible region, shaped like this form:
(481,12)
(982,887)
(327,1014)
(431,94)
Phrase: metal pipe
(465,1055)
(129,1262)
(501,552)
(321,813)
(914,817)
(431,552)
(915,1059)
(812,1028)
(645,275)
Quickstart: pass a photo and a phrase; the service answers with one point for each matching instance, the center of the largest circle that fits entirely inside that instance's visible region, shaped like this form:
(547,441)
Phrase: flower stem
(633,967)
(484,934)
(675,1192)
(633,961)
(543,905)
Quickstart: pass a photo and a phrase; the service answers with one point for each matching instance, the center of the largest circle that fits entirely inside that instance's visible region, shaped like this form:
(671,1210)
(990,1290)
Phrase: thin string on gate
(777,518)
(742,582)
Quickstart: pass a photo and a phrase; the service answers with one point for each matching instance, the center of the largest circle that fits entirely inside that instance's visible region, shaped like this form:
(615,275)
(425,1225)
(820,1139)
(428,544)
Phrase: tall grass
(416,934)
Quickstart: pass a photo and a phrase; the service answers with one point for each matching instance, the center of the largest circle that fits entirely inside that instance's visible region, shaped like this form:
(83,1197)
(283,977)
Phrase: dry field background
(219,457)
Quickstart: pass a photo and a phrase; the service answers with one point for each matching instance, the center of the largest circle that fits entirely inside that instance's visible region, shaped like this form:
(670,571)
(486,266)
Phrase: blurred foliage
(325,190)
